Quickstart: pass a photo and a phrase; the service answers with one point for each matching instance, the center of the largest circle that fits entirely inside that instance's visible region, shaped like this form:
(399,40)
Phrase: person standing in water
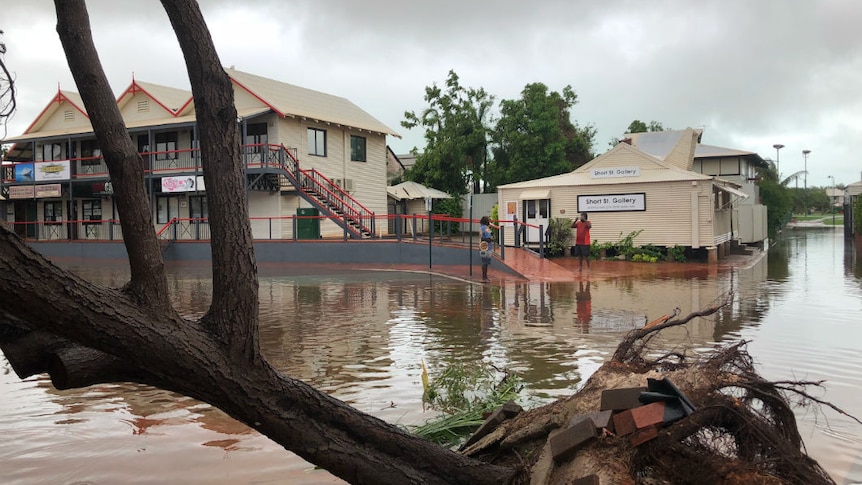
(486,246)
(582,240)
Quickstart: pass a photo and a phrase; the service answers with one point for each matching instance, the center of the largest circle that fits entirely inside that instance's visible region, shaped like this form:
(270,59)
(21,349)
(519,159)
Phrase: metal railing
(441,228)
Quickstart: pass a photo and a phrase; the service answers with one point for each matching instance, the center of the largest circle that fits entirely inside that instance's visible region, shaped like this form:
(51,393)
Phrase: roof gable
(172,100)
(66,109)
(289,100)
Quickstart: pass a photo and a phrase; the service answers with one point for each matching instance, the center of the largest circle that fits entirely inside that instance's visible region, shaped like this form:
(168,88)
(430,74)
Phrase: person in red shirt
(582,240)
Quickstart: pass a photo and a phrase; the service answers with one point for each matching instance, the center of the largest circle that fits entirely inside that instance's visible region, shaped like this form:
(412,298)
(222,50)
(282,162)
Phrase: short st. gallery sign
(612,202)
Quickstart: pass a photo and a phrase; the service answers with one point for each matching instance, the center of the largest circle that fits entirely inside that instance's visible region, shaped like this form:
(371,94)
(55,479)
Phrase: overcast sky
(751,73)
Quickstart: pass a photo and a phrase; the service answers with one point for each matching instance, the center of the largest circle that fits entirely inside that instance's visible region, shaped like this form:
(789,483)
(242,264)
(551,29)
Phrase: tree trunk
(80,333)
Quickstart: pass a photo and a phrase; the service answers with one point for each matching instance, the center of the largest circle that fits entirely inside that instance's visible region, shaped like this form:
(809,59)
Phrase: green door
(307,223)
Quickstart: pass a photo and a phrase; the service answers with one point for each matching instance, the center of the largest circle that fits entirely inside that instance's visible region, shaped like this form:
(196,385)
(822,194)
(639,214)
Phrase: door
(536,213)
(26,217)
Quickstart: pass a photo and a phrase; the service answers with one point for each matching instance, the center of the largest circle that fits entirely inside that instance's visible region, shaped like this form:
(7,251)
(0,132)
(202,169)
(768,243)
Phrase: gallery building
(645,183)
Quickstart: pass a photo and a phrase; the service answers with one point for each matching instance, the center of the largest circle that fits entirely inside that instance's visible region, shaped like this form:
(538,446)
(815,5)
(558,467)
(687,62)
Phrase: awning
(413,190)
(535,194)
(733,191)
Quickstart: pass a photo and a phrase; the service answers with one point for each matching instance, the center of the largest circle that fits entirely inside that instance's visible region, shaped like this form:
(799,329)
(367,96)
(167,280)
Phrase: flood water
(361,336)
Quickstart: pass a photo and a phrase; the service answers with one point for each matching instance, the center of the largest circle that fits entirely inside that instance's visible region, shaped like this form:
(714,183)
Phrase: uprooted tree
(81,334)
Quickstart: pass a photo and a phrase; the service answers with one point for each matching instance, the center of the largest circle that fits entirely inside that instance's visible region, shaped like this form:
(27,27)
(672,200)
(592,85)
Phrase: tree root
(743,430)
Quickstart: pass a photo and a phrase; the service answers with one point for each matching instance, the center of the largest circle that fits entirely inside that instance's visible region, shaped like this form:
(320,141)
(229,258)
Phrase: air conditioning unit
(345,184)
(348,185)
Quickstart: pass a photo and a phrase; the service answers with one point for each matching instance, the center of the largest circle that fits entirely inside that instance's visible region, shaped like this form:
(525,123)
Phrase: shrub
(559,235)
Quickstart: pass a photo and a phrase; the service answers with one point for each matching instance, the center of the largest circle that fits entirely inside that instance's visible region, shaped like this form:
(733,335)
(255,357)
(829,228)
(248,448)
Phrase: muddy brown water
(361,335)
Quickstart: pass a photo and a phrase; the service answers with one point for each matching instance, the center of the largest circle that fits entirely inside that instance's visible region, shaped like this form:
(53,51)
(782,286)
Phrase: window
(357,148)
(90,153)
(255,134)
(198,207)
(166,209)
(166,143)
(317,142)
(537,208)
(91,210)
(143,143)
(53,211)
(52,151)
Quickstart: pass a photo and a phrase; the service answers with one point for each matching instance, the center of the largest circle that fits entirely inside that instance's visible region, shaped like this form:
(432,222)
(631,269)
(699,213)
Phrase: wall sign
(612,202)
(21,192)
(54,170)
(48,190)
(612,172)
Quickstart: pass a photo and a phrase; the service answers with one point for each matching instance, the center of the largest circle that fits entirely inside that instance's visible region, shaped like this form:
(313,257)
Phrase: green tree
(777,198)
(536,138)
(456,137)
(638,126)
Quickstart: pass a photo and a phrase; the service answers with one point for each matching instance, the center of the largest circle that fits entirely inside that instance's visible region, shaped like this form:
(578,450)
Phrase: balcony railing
(174,161)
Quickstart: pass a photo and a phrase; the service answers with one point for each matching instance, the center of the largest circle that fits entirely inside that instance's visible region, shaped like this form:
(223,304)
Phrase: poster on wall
(24,172)
(612,202)
(511,210)
(182,184)
(54,170)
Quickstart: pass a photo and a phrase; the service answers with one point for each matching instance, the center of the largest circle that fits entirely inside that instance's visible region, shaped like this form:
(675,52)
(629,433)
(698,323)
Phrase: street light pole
(777,146)
(805,188)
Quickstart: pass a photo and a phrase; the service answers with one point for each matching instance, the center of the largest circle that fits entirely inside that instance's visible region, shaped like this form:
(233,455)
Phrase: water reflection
(361,335)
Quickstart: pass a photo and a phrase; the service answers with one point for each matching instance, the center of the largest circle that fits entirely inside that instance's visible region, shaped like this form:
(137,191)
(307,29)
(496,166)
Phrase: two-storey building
(304,152)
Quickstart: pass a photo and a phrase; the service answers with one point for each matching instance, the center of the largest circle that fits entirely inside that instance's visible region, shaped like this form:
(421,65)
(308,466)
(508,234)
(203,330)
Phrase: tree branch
(149,283)
(235,305)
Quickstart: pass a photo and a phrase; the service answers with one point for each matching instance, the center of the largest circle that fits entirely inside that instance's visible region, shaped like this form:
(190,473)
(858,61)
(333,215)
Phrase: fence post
(541,241)
(502,245)
(398,227)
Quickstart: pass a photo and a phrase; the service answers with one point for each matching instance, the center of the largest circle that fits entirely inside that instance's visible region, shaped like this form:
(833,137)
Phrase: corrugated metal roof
(651,170)
(414,190)
(290,100)
(732,190)
(709,151)
(657,143)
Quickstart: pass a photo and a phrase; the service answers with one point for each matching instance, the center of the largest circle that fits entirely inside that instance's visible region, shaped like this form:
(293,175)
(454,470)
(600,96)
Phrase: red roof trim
(57,99)
(135,88)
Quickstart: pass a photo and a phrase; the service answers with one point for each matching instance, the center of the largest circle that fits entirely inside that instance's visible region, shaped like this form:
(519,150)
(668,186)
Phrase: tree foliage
(536,138)
(638,126)
(456,137)
(775,195)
